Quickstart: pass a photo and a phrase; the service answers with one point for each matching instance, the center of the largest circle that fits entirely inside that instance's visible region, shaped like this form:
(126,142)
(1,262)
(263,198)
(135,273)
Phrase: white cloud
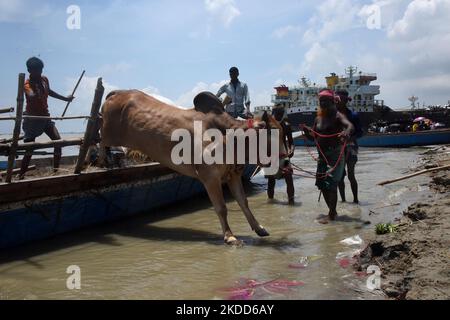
(332,17)
(321,59)
(186,99)
(422,18)
(223,10)
(282,32)
(84,95)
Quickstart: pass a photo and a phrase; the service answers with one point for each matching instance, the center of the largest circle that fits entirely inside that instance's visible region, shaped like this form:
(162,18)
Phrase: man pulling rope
(331,130)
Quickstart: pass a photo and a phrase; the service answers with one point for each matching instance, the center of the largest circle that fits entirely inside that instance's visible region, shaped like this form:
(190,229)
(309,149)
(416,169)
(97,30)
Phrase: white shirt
(239,96)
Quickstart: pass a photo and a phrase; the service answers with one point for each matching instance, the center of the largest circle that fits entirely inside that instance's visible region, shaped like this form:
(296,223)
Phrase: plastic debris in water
(248,287)
(355,240)
(302,264)
(345,262)
(297,266)
(345,259)
(361,274)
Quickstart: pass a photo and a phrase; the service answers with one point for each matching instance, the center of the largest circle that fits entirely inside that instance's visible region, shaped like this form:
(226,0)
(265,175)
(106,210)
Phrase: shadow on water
(140,226)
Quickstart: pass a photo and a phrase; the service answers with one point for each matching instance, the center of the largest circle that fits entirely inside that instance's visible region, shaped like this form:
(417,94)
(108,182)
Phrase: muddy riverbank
(414,260)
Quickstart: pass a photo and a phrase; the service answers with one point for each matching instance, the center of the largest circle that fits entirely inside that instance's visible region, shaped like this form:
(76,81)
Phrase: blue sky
(178,48)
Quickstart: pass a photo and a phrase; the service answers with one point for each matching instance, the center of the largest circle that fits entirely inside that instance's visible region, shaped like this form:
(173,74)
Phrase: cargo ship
(301,101)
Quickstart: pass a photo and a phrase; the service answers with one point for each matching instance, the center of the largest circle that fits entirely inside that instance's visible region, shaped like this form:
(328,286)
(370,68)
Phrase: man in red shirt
(37,91)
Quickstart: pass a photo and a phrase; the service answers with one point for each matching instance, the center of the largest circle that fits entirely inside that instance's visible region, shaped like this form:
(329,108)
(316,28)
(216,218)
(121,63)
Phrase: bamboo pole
(43,117)
(10,140)
(16,132)
(15,171)
(50,144)
(34,153)
(31,146)
(7,110)
(73,92)
(447,167)
(91,126)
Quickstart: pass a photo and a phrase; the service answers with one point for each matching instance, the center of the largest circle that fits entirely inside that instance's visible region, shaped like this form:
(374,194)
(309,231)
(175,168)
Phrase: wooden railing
(12,148)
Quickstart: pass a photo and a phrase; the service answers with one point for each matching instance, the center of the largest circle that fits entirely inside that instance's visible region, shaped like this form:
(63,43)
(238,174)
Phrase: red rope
(324,136)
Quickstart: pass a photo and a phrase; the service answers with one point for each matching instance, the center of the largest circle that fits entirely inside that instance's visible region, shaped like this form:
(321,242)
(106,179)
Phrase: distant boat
(395,140)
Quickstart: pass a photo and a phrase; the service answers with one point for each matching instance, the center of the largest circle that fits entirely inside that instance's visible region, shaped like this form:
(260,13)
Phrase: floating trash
(361,274)
(297,266)
(345,262)
(355,240)
(304,262)
(347,258)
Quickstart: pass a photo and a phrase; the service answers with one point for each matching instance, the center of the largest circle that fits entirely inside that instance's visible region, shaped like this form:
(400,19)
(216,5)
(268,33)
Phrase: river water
(178,252)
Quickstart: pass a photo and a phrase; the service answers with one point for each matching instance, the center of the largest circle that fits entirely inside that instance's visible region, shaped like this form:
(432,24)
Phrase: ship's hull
(42,208)
(393,140)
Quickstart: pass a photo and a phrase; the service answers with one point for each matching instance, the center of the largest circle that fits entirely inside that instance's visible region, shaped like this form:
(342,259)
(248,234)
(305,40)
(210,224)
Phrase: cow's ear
(208,102)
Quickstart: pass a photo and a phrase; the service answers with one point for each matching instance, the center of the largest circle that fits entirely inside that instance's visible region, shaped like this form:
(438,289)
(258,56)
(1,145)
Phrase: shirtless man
(330,165)
(351,151)
(286,172)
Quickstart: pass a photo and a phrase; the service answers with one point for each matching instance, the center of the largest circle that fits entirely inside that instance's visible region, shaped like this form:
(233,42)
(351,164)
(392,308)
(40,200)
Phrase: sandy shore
(414,260)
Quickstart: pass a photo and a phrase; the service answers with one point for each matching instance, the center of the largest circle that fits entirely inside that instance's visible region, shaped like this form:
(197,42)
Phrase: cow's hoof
(233,241)
(262,232)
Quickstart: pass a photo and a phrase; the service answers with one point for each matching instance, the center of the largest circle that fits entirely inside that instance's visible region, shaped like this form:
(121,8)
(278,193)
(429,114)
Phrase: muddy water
(178,253)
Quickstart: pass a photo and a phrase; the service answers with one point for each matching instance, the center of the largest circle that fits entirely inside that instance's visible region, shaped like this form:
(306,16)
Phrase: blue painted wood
(391,140)
(41,219)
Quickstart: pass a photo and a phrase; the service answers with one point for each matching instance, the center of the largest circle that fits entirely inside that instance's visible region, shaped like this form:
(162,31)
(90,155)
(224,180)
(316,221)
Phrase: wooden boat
(45,206)
(394,140)
(40,208)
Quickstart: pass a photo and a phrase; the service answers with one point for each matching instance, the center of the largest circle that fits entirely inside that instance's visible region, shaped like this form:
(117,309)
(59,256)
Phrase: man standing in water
(37,90)
(351,151)
(238,94)
(330,130)
(286,171)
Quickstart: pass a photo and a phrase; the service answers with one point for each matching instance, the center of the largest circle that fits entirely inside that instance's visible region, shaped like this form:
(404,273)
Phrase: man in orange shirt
(37,91)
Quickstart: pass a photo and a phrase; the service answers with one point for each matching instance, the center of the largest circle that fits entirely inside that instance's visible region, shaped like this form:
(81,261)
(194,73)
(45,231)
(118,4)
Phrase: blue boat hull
(28,221)
(392,140)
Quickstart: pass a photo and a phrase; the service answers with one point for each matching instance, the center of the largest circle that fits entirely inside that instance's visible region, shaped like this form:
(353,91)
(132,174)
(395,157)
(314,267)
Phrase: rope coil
(314,175)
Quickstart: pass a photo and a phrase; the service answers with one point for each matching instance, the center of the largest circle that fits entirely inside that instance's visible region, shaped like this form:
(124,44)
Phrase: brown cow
(138,121)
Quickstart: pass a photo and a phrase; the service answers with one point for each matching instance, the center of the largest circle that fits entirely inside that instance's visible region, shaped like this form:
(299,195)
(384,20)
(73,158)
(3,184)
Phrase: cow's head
(274,148)
(272,126)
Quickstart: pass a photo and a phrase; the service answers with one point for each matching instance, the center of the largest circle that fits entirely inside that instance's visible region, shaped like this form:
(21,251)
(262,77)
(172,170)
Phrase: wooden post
(16,133)
(91,126)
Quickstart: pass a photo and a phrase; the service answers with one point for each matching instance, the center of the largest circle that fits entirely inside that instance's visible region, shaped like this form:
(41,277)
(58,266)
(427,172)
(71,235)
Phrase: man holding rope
(37,91)
(330,131)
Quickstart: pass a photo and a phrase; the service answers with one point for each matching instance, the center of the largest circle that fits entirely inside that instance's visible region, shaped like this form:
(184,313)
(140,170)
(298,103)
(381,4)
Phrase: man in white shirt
(237,92)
